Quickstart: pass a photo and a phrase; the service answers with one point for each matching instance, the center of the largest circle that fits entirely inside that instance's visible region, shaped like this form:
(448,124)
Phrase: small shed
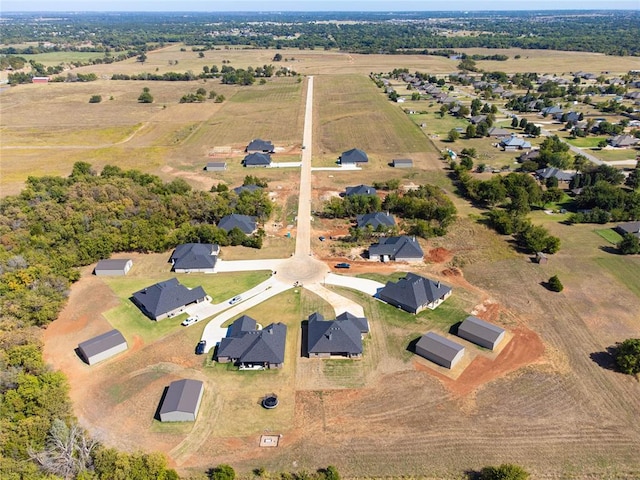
(216,166)
(113,267)
(402,163)
(40,80)
(102,347)
(182,401)
(541,258)
(480,332)
(439,350)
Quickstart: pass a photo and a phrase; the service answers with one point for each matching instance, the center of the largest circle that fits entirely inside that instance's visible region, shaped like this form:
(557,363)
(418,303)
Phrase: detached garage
(102,347)
(113,267)
(439,350)
(480,332)
(182,401)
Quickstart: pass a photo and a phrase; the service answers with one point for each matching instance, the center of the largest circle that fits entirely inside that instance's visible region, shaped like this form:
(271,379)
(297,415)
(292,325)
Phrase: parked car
(322,239)
(201,347)
(190,320)
(235,300)
(343,265)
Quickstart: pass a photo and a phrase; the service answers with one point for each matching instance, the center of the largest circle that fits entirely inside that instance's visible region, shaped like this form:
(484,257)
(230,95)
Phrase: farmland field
(548,401)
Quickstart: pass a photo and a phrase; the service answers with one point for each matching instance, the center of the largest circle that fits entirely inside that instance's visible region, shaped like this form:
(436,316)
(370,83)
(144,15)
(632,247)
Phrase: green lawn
(586,142)
(624,268)
(56,58)
(610,235)
(132,322)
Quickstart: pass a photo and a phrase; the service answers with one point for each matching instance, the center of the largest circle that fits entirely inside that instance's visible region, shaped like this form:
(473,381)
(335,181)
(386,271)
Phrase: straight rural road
(303,234)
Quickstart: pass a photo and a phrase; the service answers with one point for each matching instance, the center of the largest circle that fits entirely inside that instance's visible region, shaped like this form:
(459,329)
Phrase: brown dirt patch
(438,255)
(524,349)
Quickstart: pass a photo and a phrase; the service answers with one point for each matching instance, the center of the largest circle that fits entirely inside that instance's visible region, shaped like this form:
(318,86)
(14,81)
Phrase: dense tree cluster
(627,356)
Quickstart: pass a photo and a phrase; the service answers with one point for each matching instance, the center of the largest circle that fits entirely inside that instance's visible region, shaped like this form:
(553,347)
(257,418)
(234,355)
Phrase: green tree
(506,471)
(471,131)
(453,135)
(222,472)
(555,285)
(466,162)
(331,473)
(629,245)
(627,356)
(145,96)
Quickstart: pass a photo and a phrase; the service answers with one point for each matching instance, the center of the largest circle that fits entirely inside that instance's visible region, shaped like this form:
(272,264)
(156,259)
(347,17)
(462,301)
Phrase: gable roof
(101,343)
(375,219)
(499,132)
(246,188)
(413,291)
(397,247)
(194,255)
(625,140)
(473,329)
(549,172)
(244,222)
(259,145)
(245,344)
(551,110)
(439,346)
(112,264)
(354,155)
(182,396)
(359,190)
(514,141)
(257,159)
(166,296)
(629,227)
(337,336)
(361,322)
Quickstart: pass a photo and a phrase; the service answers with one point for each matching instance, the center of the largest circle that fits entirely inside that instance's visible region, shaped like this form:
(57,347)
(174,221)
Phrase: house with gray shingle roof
(260,146)
(195,257)
(246,188)
(353,156)
(102,347)
(182,401)
(497,132)
(514,143)
(623,141)
(439,350)
(401,248)
(548,172)
(414,293)
(339,337)
(251,348)
(257,160)
(480,332)
(359,190)
(629,227)
(244,222)
(166,299)
(377,220)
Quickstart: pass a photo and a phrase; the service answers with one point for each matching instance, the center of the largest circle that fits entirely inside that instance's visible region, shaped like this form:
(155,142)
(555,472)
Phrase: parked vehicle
(201,347)
(235,300)
(190,320)
(343,265)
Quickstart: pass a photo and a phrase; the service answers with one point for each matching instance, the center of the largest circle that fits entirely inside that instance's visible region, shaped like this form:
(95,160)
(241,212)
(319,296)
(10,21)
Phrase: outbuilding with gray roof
(182,401)
(480,332)
(113,267)
(102,347)
(439,350)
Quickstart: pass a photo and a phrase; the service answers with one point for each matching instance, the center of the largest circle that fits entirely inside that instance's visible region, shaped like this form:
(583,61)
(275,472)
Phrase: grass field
(610,235)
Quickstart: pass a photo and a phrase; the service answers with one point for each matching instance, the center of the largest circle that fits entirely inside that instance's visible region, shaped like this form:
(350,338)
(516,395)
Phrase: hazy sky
(308,5)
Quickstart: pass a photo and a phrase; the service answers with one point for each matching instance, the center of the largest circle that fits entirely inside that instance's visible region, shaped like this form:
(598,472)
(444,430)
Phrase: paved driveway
(339,303)
(370,287)
(247,265)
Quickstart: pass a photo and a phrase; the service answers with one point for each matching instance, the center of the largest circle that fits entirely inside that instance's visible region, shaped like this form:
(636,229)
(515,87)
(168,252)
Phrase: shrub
(506,471)
(555,285)
(95,99)
(627,356)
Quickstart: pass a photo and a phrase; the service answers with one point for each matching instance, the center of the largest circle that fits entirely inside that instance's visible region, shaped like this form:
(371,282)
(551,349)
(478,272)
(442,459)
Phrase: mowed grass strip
(626,269)
(610,235)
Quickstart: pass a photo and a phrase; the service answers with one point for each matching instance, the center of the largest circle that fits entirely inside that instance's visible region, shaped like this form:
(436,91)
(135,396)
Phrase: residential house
(167,299)
(195,257)
(439,350)
(182,401)
(623,141)
(113,267)
(102,347)
(513,143)
(414,293)
(629,227)
(377,220)
(476,119)
(254,160)
(548,172)
(245,223)
(260,146)
(340,337)
(499,133)
(249,347)
(550,111)
(359,190)
(246,188)
(400,248)
(353,156)
(480,332)
(530,155)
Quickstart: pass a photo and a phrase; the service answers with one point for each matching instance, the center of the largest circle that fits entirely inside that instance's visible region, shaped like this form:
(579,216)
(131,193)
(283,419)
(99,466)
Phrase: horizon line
(465,10)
